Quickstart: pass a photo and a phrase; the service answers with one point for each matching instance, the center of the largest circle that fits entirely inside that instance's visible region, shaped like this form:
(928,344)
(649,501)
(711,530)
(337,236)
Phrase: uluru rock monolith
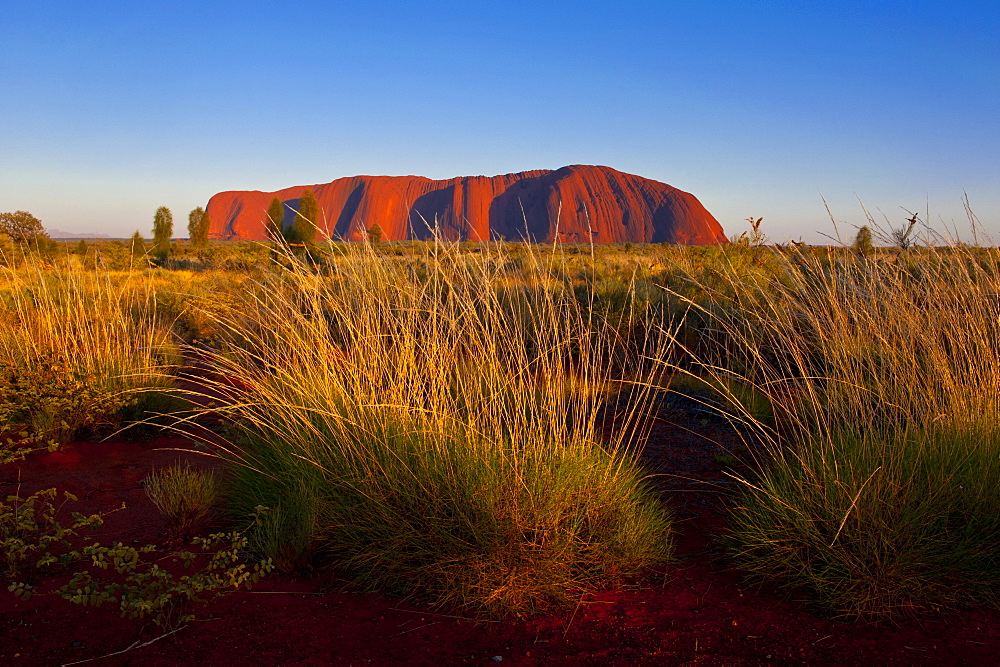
(575,204)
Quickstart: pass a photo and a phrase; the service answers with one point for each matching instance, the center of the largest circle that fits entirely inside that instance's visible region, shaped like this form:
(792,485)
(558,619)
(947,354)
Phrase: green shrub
(152,590)
(29,532)
(33,541)
(47,400)
(77,350)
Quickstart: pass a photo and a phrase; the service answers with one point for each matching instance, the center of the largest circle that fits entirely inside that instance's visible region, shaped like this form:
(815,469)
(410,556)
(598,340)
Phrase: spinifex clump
(880,491)
(184,495)
(437,432)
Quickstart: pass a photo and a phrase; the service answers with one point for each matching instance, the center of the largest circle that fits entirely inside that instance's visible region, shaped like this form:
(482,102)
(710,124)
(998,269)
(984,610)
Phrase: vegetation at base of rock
(305,228)
(198,225)
(375,233)
(274,225)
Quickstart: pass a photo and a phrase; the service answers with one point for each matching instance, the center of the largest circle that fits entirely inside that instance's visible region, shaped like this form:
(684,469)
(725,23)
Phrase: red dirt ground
(694,611)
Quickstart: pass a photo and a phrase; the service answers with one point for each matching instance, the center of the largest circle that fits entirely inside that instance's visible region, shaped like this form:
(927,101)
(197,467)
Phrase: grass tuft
(184,495)
(438,432)
(877,487)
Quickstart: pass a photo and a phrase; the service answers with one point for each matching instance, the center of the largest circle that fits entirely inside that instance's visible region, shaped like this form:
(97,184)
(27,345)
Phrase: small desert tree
(863,241)
(198,225)
(307,218)
(275,216)
(375,233)
(163,229)
(903,236)
(137,245)
(21,227)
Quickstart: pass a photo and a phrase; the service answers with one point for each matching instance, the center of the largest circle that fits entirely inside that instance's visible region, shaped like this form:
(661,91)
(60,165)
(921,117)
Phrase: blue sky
(111,109)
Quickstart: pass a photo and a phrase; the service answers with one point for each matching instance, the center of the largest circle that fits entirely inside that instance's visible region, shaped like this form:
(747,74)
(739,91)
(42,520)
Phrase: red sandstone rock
(576,204)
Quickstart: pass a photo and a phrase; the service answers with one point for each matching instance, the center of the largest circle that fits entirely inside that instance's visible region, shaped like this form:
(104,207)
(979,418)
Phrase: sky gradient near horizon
(111,109)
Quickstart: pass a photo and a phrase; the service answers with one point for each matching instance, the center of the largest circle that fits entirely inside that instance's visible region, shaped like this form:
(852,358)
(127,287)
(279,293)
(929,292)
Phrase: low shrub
(77,349)
(29,532)
(46,400)
(33,542)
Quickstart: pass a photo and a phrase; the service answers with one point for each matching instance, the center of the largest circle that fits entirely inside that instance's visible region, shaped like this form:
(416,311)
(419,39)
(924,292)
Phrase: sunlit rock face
(575,204)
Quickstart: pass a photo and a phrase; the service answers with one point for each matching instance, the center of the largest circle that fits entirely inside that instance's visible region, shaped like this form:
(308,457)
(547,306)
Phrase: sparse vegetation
(34,541)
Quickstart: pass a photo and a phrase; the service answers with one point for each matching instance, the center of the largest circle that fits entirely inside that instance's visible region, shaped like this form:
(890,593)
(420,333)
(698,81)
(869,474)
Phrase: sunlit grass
(878,488)
(438,434)
(78,349)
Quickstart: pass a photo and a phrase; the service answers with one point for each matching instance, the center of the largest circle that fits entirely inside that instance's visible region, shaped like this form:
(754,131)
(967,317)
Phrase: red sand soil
(695,610)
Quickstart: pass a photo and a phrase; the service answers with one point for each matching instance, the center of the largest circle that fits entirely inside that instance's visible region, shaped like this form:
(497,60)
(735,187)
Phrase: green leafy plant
(33,541)
(29,531)
(46,400)
(183,494)
(149,589)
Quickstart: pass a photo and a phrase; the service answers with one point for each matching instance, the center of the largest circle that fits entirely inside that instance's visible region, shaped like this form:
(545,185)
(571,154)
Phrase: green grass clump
(437,435)
(878,488)
(183,494)
(878,526)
